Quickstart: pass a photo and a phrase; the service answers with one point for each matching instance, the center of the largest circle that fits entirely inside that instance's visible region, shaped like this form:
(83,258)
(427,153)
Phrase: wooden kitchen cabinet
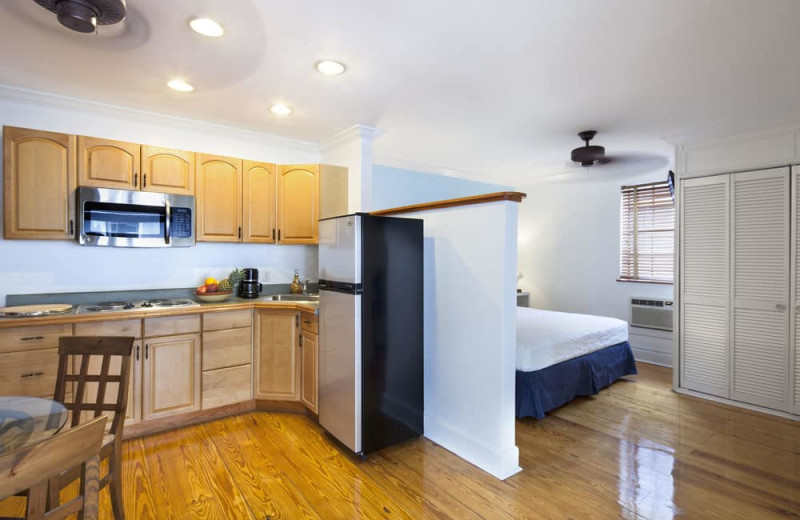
(29,359)
(298,204)
(259,215)
(171,376)
(39,182)
(277,355)
(218,182)
(165,170)
(104,163)
(227,354)
(309,346)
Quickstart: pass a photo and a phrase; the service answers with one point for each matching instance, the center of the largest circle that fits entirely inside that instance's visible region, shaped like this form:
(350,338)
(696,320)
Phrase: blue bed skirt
(543,390)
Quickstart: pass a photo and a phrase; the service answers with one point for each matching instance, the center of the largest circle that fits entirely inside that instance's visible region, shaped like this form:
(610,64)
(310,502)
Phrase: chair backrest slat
(82,349)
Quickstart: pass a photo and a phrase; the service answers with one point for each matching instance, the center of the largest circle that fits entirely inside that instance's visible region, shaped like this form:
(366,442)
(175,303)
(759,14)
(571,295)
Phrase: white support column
(352,148)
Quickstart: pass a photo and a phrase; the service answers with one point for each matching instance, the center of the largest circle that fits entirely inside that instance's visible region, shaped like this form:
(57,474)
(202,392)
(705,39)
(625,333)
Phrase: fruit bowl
(213,297)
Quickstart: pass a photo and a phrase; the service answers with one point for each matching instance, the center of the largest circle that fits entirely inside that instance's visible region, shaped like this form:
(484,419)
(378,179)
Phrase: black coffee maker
(249,286)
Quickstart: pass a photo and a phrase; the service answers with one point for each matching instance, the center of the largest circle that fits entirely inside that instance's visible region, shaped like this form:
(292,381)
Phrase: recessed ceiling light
(330,67)
(280,109)
(206,27)
(180,85)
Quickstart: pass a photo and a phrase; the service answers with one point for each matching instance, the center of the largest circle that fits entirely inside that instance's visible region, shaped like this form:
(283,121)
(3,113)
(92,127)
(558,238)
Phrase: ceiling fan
(85,15)
(588,155)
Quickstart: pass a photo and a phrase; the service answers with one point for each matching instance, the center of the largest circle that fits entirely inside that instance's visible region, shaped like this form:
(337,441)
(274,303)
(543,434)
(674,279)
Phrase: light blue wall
(393,187)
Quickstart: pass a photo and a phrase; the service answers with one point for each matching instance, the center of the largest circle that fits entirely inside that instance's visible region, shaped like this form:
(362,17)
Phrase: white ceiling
(494,89)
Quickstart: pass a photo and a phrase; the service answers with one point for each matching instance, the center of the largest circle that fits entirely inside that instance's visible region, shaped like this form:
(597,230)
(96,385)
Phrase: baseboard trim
(653,357)
(737,404)
(498,463)
(186,419)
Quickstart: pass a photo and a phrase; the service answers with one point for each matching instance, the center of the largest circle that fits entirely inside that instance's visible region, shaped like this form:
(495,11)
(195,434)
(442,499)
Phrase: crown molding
(356,132)
(66,103)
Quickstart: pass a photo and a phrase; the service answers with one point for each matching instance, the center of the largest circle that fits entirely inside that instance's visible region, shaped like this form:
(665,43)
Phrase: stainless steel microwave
(124,218)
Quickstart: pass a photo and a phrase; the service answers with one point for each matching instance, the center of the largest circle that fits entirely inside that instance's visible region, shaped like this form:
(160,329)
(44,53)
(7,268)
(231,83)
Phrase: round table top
(25,420)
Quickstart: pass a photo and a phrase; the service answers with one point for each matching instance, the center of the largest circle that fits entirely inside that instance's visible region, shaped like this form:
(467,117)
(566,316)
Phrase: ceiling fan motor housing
(84,15)
(589,154)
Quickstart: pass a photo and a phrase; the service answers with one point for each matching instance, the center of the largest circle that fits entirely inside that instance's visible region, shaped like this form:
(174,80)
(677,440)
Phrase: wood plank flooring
(636,451)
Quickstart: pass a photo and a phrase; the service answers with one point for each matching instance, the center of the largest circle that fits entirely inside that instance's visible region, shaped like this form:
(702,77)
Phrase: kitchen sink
(314,298)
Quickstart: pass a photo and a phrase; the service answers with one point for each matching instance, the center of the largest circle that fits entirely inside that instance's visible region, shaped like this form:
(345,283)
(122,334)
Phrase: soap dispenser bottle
(296,287)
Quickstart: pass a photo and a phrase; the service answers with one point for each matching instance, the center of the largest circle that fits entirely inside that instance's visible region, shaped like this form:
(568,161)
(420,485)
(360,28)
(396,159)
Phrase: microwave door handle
(166,229)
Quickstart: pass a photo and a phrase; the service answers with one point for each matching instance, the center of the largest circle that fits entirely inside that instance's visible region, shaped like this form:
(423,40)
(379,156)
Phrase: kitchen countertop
(232,303)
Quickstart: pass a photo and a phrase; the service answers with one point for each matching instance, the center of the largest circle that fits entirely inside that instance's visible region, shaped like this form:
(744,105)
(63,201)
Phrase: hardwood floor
(635,451)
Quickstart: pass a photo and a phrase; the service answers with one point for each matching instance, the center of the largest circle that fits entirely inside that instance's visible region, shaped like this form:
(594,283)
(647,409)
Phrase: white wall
(395,187)
(470,333)
(60,266)
(569,235)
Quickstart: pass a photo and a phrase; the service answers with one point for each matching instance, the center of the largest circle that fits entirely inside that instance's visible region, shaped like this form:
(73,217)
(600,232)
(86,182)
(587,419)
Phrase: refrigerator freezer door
(340,366)
(340,249)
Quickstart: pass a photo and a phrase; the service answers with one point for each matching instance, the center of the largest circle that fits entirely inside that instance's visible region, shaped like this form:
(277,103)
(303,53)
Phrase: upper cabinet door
(165,170)
(39,184)
(298,204)
(259,202)
(103,163)
(219,198)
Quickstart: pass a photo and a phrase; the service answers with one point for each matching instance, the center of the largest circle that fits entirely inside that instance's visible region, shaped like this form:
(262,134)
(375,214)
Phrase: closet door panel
(760,287)
(795,201)
(704,285)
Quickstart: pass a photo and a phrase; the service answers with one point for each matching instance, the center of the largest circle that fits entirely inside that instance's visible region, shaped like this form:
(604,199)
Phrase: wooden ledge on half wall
(513,196)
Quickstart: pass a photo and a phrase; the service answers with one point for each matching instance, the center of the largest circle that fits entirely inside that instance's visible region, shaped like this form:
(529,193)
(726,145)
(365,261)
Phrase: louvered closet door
(760,287)
(796,283)
(704,285)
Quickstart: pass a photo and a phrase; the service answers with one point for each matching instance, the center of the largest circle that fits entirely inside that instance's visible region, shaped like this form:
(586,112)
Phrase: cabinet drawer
(226,386)
(309,322)
(227,319)
(110,328)
(171,325)
(30,372)
(28,338)
(227,348)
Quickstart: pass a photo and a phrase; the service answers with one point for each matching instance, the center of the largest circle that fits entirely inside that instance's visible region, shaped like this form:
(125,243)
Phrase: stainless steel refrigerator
(371,330)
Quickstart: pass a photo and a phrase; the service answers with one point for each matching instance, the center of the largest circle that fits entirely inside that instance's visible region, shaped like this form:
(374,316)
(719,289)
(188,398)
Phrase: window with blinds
(648,233)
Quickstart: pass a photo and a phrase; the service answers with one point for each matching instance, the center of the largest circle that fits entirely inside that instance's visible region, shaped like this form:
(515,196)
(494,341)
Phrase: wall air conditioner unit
(651,314)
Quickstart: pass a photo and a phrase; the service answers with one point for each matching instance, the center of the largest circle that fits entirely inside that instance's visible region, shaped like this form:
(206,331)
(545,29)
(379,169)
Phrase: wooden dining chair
(28,470)
(89,385)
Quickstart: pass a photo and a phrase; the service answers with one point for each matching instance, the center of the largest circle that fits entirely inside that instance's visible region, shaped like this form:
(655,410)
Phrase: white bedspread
(545,338)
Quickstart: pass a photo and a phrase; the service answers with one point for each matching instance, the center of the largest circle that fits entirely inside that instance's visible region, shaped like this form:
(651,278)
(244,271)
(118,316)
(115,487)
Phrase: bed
(561,355)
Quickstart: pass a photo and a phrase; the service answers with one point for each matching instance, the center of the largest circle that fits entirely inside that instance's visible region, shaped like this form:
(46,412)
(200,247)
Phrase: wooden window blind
(648,233)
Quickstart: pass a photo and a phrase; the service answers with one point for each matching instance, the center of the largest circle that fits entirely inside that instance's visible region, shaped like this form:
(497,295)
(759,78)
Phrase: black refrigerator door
(392,338)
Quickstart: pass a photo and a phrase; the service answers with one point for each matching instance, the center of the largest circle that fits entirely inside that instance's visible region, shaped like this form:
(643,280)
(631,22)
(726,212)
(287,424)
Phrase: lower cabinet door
(277,366)
(310,353)
(171,382)
(133,410)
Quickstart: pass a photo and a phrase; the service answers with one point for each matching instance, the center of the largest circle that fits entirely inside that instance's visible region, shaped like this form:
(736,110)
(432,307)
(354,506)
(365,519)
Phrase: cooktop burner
(152,304)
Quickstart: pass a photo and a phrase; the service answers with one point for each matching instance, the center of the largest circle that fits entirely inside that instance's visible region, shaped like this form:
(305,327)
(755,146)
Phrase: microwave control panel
(181,223)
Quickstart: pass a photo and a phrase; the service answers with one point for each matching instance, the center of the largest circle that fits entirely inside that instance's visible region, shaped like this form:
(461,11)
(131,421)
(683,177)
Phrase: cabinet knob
(797,309)
(780,307)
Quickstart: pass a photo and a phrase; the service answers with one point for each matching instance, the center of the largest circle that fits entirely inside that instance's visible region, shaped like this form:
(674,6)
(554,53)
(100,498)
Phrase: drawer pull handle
(31,374)
(306,321)
(781,307)
(32,338)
